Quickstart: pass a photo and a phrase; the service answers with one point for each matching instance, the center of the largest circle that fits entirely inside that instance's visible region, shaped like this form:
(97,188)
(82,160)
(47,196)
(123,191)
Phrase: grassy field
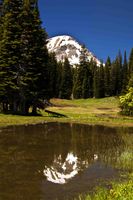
(104,111)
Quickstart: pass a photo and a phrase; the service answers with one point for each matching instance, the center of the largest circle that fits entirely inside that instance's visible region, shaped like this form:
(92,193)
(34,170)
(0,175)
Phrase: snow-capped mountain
(66,46)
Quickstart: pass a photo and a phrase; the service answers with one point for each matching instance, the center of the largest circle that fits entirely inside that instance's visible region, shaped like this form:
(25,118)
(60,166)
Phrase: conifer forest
(30,75)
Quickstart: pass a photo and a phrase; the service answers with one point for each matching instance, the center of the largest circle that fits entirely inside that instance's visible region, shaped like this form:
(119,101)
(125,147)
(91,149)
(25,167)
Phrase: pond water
(57,161)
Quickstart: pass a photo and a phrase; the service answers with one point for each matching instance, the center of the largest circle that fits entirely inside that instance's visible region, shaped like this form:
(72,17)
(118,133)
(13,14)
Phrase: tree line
(109,79)
(29,74)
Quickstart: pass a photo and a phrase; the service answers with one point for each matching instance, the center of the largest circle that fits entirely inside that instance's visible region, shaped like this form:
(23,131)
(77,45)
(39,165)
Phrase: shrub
(126,102)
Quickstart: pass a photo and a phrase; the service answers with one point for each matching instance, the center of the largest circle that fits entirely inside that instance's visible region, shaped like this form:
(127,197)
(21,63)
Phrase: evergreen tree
(87,82)
(67,80)
(96,83)
(34,58)
(101,82)
(59,72)
(125,73)
(130,65)
(81,71)
(75,73)
(99,91)
(9,53)
(85,87)
(2,90)
(93,68)
(23,57)
(55,70)
(116,76)
(120,72)
(107,76)
(77,88)
(113,79)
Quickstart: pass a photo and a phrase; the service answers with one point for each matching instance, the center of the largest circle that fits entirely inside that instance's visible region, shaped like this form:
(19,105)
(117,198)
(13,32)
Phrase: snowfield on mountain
(66,46)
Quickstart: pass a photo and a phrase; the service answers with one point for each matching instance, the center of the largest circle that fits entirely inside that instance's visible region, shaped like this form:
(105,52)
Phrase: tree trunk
(34,109)
(15,107)
(24,108)
(5,107)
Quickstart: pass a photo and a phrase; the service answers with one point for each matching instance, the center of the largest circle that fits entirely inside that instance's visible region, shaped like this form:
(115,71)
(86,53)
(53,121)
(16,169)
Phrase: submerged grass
(118,191)
(122,190)
(90,111)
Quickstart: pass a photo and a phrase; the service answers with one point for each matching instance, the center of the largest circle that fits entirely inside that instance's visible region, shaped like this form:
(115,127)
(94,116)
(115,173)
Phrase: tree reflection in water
(63,158)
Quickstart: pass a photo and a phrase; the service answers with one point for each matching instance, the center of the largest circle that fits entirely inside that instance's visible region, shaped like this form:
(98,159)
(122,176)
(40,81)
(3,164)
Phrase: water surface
(59,161)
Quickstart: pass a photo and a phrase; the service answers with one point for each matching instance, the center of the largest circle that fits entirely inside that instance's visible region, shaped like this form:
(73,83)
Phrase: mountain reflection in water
(59,161)
(61,172)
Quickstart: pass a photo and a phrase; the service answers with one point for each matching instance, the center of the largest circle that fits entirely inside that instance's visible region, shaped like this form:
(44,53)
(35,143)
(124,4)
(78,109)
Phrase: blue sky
(104,26)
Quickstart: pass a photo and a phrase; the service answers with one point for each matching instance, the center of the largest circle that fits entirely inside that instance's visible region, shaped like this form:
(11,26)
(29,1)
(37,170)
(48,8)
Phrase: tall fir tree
(10,53)
(81,70)
(101,82)
(130,64)
(107,76)
(113,79)
(87,81)
(85,86)
(2,91)
(59,72)
(120,71)
(99,90)
(34,58)
(55,73)
(77,88)
(96,83)
(116,76)
(67,81)
(23,56)
(93,68)
(124,74)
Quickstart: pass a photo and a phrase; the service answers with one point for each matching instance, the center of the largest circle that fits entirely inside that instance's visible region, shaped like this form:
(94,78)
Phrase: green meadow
(103,111)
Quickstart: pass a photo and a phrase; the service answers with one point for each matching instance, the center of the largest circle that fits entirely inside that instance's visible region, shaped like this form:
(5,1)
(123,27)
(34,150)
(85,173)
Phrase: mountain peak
(66,46)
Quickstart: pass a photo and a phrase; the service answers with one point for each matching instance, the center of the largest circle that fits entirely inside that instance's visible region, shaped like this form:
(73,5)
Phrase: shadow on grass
(51,114)
(22,114)
(55,114)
